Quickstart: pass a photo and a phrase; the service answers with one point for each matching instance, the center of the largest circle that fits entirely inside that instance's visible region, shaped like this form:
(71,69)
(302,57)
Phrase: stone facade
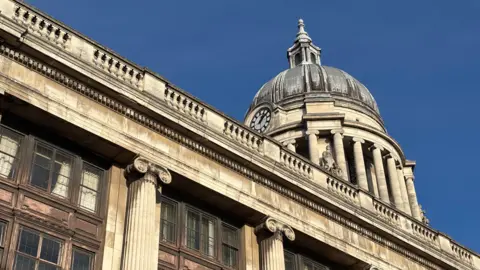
(181,180)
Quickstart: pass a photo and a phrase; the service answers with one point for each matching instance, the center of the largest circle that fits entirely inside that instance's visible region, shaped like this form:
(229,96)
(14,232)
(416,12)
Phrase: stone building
(106,165)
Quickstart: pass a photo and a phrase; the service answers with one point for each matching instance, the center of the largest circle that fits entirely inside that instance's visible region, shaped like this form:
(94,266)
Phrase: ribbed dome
(314,78)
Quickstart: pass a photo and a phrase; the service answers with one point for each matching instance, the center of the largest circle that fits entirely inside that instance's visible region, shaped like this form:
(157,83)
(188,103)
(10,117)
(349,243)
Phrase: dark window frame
(85,251)
(55,150)
(99,193)
(41,236)
(300,260)
(25,166)
(17,165)
(179,245)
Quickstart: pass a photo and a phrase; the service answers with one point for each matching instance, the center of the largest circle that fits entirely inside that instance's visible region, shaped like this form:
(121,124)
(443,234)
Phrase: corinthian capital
(142,167)
(273,227)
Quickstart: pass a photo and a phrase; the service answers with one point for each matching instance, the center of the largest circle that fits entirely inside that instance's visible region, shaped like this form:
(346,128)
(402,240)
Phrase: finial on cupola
(303,51)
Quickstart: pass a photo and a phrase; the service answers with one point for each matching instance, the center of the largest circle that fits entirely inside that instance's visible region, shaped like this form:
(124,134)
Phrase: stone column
(380,173)
(141,241)
(339,151)
(313,146)
(270,234)
(403,189)
(360,163)
(393,178)
(412,198)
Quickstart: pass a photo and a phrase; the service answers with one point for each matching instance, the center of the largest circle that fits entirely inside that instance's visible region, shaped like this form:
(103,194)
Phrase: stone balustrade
(116,67)
(243,136)
(343,189)
(386,213)
(426,233)
(296,164)
(461,253)
(41,27)
(185,105)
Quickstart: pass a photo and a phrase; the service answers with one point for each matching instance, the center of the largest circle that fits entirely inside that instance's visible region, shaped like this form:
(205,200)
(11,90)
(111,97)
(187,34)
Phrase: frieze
(156,126)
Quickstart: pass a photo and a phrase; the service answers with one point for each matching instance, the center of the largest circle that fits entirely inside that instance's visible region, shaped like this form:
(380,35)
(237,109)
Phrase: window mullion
(52,168)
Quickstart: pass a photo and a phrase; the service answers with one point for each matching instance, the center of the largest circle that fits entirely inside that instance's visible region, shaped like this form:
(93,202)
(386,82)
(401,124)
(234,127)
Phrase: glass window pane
(28,243)
(43,156)
(9,145)
(193,230)
(46,266)
(88,199)
(230,236)
(82,260)
(24,263)
(289,261)
(3,227)
(208,236)
(168,224)
(40,177)
(91,177)
(50,250)
(61,174)
(229,256)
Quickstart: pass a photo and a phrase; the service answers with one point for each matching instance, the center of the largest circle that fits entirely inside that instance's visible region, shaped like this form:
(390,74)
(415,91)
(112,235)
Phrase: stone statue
(424,215)
(328,162)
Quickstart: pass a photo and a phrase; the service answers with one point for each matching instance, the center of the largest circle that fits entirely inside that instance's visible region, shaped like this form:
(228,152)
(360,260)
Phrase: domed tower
(329,117)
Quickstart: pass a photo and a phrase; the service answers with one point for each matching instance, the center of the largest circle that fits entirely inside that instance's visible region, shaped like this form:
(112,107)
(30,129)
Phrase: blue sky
(420,60)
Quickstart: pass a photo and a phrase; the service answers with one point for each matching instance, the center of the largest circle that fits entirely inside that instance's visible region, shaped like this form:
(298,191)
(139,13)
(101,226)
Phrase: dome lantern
(303,50)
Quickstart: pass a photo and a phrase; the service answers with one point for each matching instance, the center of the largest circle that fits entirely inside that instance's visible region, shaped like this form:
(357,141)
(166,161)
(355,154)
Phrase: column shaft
(360,164)
(403,189)
(393,177)
(271,253)
(380,174)
(313,147)
(340,153)
(140,224)
(412,198)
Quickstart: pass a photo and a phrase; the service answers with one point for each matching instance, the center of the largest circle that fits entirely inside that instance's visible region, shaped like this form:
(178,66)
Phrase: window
(82,260)
(90,187)
(200,232)
(299,262)
(298,58)
(313,58)
(9,148)
(229,246)
(37,251)
(3,228)
(51,170)
(168,222)
(289,261)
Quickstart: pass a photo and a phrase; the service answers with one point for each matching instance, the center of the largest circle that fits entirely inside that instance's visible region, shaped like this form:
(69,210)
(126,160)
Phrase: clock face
(261,120)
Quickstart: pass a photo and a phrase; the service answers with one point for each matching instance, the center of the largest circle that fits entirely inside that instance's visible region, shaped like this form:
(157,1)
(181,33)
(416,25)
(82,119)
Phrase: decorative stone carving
(185,105)
(425,220)
(272,226)
(142,166)
(118,68)
(41,27)
(328,163)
